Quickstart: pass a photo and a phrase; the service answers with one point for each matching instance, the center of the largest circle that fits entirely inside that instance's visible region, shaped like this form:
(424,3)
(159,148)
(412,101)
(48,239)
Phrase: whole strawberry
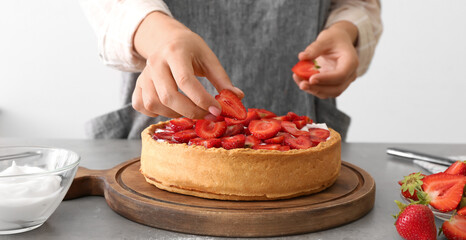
(415,222)
(411,184)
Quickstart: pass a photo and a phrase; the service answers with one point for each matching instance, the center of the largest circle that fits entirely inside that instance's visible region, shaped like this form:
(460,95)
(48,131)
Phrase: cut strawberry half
(300,123)
(208,143)
(184,136)
(455,228)
(292,116)
(234,130)
(208,129)
(251,141)
(263,113)
(282,118)
(458,167)
(267,147)
(305,118)
(290,127)
(163,136)
(301,142)
(232,142)
(305,69)
(180,124)
(462,211)
(252,115)
(275,140)
(284,148)
(444,190)
(319,134)
(264,128)
(231,105)
(411,184)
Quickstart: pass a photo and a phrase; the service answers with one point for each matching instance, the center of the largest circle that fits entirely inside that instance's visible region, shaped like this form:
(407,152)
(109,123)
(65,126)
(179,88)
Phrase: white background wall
(51,80)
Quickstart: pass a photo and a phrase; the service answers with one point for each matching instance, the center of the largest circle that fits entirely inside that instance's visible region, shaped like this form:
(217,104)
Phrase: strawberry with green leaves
(415,222)
(411,184)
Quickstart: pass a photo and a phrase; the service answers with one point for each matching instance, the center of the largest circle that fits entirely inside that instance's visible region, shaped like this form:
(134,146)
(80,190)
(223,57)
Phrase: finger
(297,79)
(182,70)
(137,103)
(345,68)
(151,100)
(216,74)
(327,91)
(167,90)
(312,51)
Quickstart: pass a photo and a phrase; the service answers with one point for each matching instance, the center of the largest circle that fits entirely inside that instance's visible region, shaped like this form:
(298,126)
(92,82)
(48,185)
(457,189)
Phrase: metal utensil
(19,155)
(419,156)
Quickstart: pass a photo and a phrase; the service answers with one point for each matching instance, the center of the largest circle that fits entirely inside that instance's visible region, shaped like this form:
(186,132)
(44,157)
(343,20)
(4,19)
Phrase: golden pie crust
(239,174)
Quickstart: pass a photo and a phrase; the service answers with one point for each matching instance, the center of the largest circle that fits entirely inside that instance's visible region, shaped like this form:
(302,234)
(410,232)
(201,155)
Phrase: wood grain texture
(128,194)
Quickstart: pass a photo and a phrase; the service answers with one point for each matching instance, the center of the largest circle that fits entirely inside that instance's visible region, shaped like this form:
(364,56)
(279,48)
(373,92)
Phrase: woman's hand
(175,56)
(335,53)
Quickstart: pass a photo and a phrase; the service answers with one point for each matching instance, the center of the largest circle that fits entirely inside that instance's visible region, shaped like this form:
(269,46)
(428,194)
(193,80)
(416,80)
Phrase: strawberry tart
(243,155)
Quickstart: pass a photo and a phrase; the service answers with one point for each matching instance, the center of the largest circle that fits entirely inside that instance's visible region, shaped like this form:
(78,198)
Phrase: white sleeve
(365,15)
(115,23)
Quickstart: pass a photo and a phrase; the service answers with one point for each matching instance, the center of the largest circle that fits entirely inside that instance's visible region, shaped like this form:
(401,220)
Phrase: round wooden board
(128,194)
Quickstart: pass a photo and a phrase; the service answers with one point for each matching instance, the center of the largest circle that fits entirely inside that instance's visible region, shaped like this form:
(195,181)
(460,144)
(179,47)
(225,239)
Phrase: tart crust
(239,174)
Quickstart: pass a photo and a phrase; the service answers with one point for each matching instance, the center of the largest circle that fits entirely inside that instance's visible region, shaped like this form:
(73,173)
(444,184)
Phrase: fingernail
(215,111)
(240,91)
(210,117)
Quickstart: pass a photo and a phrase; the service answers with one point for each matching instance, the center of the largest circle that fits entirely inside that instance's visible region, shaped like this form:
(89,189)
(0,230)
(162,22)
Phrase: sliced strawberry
(180,124)
(284,148)
(301,142)
(232,142)
(264,128)
(458,167)
(275,140)
(444,190)
(292,116)
(305,69)
(208,129)
(455,228)
(263,113)
(251,141)
(290,127)
(231,105)
(252,115)
(300,123)
(185,135)
(208,143)
(319,134)
(305,118)
(282,118)
(462,211)
(219,118)
(267,147)
(234,130)
(411,184)
(163,136)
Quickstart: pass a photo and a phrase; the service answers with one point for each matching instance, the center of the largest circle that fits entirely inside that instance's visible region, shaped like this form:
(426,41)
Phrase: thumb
(312,51)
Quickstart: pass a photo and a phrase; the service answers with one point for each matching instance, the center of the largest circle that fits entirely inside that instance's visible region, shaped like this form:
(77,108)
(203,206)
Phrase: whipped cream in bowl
(33,182)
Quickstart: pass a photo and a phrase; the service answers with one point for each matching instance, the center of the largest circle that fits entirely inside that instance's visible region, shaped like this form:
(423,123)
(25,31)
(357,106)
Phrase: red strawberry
(305,118)
(219,118)
(208,129)
(462,211)
(264,128)
(458,167)
(455,228)
(284,148)
(415,221)
(305,69)
(208,143)
(319,134)
(252,115)
(444,190)
(275,140)
(282,118)
(163,136)
(233,130)
(411,184)
(263,113)
(231,105)
(184,136)
(301,142)
(251,141)
(292,116)
(300,123)
(267,147)
(179,124)
(290,127)
(236,141)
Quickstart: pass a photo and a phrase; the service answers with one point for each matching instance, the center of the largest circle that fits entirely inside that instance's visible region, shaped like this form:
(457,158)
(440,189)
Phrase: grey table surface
(92,218)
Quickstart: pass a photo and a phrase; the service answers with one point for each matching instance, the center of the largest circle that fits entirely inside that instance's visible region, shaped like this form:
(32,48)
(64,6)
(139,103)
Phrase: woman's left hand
(336,55)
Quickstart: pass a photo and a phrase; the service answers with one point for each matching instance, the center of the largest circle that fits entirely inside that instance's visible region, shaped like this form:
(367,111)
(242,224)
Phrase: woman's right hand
(175,56)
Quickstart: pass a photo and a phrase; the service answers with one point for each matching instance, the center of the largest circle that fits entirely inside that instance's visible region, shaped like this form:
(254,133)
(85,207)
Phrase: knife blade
(402,153)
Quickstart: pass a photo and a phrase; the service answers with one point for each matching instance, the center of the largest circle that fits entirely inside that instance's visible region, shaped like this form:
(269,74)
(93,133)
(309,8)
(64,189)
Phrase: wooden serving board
(127,193)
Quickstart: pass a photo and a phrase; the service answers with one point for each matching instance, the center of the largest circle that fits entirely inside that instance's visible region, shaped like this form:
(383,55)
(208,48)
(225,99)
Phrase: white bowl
(33,182)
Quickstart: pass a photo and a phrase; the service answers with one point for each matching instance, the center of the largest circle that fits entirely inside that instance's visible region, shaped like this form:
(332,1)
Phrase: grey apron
(257,42)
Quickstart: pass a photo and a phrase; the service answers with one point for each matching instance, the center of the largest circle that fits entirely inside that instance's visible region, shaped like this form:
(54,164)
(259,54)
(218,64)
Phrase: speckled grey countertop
(91,218)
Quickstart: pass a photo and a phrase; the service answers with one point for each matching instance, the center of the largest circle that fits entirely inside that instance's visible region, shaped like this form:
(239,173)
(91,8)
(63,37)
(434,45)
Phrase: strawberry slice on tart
(263,113)
(179,124)
(291,128)
(184,136)
(231,105)
(208,143)
(208,129)
(264,128)
(232,142)
(319,134)
(251,141)
(301,142)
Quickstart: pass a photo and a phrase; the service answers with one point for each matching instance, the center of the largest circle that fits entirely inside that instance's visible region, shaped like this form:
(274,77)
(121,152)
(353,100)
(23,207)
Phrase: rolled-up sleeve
(365,15)
(115,23)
